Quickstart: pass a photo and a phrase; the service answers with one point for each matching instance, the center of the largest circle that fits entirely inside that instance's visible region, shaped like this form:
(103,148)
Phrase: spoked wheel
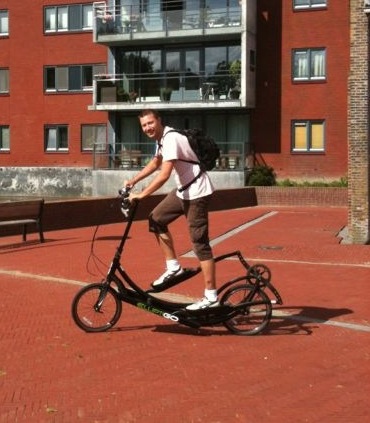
(96,308)
(252,318)
(259,272)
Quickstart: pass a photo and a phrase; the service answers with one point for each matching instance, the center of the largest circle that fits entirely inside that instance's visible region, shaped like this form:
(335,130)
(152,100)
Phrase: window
(71,78)
(87,17)
(309,4)
(4,23)
(185,71)
(76,17)
(4,138)
(4,81)
(56,138)
(93,134)
(308,136)
(309,64)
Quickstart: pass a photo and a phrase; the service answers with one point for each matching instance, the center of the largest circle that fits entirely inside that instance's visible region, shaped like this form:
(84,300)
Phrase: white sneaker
(203,303)
(167,275)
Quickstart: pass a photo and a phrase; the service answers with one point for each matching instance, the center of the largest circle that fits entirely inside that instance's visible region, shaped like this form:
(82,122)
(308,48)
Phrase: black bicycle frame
(175,311)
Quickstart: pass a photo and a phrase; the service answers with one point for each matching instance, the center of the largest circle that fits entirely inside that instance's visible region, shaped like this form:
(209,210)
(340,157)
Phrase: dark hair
(146,112)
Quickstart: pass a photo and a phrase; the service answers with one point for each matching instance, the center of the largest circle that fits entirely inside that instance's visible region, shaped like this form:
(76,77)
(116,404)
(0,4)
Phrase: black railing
(126,156)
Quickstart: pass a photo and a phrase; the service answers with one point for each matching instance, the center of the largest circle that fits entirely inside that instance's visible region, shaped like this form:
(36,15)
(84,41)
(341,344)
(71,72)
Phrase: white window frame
(56,18)
(87,17)
(4,138)
(91,134)
(311,66)
(52,138)
(310,4)
(4,81)
(4,23)
(62,19)
(307,125)
(61,77)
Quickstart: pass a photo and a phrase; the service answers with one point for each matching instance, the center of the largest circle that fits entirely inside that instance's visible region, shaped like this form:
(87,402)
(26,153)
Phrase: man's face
(151,126)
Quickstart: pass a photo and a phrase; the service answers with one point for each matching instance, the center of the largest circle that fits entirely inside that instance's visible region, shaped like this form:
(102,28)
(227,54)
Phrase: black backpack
(205,149)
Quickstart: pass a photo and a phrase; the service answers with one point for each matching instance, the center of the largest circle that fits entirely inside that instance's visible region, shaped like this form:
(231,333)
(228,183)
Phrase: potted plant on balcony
(122,95)
(126,97)
(132,96)
(235,73)
(166,93)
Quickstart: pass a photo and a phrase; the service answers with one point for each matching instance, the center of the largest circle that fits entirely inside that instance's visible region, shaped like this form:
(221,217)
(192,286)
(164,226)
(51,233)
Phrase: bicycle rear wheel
(252,318)
(96,308)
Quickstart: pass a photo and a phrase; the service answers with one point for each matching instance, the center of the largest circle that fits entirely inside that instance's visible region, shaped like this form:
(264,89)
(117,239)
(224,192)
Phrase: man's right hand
(128,183)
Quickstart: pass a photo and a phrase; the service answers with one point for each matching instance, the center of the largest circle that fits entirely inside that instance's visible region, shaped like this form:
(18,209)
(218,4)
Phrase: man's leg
(209,273)
(166,244)
(169,209)
(197,215)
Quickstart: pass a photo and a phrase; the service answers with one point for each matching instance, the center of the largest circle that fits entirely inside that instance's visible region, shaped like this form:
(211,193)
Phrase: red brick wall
(299,196)
(280,100)
(28,108)
(358,131)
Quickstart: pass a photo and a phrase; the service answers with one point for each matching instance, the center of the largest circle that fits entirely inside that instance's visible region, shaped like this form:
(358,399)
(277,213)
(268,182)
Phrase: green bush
(342,183)
(261,176)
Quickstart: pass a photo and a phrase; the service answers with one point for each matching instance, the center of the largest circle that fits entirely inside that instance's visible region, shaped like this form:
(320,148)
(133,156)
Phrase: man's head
(151,124)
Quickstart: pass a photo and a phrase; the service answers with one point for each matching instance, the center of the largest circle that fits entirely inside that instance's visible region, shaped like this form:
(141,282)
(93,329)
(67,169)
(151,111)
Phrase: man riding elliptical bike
(174,153)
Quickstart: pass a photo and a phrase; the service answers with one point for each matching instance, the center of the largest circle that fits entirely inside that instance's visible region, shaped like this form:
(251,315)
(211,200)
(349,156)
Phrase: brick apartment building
(293,58)
(299,126)
(45,84)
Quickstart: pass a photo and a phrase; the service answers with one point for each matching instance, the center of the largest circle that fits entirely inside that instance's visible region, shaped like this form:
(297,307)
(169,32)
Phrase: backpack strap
(186,186)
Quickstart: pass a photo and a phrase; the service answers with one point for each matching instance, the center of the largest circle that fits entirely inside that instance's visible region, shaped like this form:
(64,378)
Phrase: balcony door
(182,68)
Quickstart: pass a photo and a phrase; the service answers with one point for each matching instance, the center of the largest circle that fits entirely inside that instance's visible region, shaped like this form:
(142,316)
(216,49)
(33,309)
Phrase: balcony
(158,90)
(133,156)
(117,25)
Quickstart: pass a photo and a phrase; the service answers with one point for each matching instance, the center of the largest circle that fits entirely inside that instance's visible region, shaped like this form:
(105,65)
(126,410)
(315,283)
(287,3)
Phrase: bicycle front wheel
(96,308)
(252,318)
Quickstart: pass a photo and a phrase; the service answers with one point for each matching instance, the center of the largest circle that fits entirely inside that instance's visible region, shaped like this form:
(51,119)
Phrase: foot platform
(186,274)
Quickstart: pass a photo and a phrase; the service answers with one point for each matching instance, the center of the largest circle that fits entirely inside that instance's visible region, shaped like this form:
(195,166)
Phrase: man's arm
(150,168)
(156,183)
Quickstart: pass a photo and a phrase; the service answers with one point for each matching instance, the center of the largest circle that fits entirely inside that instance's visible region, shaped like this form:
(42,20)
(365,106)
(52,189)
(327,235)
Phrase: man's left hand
(134,197)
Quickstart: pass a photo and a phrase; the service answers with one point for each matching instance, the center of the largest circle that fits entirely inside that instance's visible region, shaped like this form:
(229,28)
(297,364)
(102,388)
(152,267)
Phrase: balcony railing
(166,87)
(135,19)
(128,156)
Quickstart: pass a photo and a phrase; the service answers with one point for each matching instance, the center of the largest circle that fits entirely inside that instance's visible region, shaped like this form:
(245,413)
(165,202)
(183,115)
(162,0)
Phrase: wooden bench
(22,213)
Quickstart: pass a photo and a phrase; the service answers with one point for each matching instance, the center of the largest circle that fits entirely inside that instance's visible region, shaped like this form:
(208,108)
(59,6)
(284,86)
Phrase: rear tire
(96,308)
(253,318)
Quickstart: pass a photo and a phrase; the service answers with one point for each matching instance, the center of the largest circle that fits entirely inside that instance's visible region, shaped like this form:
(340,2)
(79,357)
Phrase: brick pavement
(311,365)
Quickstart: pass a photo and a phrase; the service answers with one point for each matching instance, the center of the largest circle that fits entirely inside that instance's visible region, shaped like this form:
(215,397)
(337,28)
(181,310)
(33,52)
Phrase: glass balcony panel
(168,86)
(157,16)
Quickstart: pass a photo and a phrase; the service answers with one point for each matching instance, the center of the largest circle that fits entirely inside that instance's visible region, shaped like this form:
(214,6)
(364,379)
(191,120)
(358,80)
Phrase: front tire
(96,308)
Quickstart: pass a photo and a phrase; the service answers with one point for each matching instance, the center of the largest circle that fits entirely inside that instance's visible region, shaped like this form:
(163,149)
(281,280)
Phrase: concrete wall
(107,182)
(45,181)
(85,182)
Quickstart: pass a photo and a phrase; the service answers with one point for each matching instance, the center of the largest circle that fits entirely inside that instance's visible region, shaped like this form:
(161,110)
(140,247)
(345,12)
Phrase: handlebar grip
(124,192)
(125,202)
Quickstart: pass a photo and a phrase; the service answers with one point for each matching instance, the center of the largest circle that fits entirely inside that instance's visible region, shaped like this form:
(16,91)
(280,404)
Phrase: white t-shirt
(174,146)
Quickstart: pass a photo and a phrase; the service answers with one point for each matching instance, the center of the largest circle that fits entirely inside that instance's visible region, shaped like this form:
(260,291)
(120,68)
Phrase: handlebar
(125,202)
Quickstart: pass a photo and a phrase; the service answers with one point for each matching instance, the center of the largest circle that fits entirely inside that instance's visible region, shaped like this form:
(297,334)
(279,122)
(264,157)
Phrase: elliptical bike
(245,307)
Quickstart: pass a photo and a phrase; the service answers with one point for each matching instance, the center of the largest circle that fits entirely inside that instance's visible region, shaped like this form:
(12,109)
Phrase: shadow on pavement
(302,320)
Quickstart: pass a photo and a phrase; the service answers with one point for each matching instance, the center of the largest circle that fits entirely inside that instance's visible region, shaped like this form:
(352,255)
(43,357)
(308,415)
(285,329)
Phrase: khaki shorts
(196,213)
